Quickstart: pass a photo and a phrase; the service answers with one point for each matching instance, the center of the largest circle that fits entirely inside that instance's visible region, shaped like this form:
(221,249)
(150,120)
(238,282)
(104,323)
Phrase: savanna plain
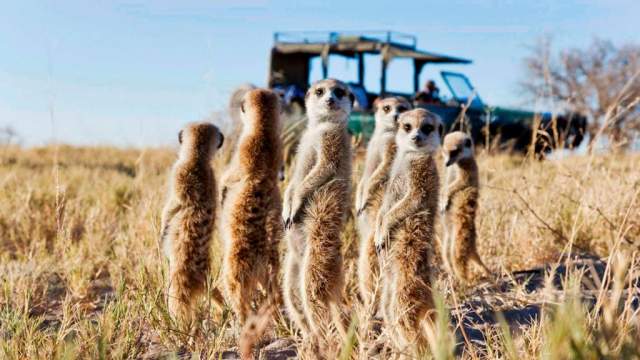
(82,274)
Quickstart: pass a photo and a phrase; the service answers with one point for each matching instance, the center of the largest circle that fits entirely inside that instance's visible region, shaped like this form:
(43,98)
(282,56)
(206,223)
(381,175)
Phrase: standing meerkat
(316,203)
(380,153)
(461,204)
(188,218)
(250,199)
(404,234)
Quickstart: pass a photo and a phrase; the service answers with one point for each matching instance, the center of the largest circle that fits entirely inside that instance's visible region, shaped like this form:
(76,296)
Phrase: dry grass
(82,275)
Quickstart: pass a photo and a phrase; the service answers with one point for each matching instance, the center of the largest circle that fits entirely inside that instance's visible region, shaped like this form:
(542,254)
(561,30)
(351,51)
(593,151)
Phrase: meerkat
(404,234)
(461,203)
(188,218)
(251,206)
(380,153)
(316,203)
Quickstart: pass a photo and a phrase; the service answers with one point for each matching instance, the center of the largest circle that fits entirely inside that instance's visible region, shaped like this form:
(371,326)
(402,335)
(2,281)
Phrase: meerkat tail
(189,265)
(182,294)
(323,277)
(180,304)
(258,323)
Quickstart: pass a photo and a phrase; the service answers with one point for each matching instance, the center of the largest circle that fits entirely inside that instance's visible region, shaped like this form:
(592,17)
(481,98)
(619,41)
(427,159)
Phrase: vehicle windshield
(461,88)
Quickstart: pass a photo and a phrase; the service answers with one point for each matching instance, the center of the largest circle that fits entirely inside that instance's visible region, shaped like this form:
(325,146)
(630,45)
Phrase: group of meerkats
(396,204)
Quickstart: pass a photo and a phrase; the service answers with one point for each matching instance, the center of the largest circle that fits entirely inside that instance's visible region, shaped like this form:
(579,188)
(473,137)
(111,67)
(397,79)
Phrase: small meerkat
(405,232)
(380,153)
(316,203)
(461,203)
(250,198)
(188,217)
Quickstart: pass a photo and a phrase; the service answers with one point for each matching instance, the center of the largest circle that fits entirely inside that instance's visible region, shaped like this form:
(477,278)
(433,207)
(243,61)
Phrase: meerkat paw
(446,206)
(223,194)
(363,206)
(381,239)
(358,203)
(380,247)
(295,213)
(286,215)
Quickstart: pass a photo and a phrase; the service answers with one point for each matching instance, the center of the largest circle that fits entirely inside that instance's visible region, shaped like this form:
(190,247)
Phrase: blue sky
(131,73)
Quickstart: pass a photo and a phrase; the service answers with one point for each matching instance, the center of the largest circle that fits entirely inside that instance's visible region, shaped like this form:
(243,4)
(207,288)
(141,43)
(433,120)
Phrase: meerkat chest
(378,143)
(373,156)
(307,151)
(399,183)
(376,150)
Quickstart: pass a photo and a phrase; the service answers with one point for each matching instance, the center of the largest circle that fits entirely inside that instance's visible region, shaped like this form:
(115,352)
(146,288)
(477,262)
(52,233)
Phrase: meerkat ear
(375,104)
(221,140)
(306,95)
(467,143)
(441,131)
(242,106)
(352,98)
(180,137)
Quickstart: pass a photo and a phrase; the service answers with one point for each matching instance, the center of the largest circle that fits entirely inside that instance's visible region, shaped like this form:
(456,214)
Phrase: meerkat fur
(380,153)
(250,198)
(188,218)
(315,208)
(460,206)
(405,236)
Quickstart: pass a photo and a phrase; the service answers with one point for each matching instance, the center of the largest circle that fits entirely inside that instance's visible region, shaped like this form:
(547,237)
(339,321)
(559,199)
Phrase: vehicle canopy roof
(292,51)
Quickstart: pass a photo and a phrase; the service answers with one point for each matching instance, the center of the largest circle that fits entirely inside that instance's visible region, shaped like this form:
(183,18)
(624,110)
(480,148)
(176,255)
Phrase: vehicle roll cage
(292,52)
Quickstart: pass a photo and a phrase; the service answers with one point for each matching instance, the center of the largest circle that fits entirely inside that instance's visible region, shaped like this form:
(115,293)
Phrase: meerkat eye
(426,128)
(406,127)
(339,93)
(454,153)
(386,108)
(467,143)
(401,109)
(319,92)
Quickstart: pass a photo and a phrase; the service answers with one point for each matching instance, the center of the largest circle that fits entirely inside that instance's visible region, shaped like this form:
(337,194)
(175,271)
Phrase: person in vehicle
(429,95)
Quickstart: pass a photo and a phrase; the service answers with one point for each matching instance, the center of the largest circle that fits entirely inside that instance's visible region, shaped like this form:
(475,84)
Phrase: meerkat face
(260,105)
(456,146)
(329,100)
(203,136)
(419,130)
(388,111)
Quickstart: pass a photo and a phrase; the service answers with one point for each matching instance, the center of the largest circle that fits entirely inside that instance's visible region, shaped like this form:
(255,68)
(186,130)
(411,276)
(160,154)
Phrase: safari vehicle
(291,65)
